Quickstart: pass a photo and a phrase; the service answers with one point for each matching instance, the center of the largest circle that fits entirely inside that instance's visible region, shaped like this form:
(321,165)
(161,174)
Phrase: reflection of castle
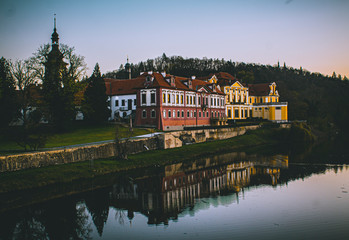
(164,196)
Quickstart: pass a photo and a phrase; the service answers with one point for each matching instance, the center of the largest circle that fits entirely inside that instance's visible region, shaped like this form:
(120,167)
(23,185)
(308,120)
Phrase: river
(230,196)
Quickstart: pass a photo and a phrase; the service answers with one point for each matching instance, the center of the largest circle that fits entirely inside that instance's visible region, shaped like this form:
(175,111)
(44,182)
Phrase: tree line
(319,99)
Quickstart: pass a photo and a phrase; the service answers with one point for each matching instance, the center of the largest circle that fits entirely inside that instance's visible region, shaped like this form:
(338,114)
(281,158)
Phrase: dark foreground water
(232,196)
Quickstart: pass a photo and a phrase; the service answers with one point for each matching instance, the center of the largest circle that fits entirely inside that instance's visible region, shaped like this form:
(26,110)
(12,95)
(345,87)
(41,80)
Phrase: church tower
(128,69)
(55,70)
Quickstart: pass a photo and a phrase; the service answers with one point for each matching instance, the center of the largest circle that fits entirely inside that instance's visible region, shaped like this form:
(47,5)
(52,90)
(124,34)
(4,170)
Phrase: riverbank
(39,177)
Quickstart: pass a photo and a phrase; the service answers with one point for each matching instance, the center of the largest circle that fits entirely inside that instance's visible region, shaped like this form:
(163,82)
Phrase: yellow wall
(272,113)
(284,114)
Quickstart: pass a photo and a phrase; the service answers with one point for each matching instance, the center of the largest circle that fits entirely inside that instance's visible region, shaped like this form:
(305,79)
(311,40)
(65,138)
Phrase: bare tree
(25,77)
(76,65)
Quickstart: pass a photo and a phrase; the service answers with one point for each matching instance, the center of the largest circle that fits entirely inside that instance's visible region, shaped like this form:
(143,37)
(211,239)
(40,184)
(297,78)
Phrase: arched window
(153,113)
(144,114)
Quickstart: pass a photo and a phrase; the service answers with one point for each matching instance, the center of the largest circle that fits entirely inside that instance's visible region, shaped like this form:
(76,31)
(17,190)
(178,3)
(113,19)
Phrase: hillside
(321,100)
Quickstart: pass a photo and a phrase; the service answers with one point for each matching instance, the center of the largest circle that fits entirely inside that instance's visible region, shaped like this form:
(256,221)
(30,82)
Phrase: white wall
(120,109)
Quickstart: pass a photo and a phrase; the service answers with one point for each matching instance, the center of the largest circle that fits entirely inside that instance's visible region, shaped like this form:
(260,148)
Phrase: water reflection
(161,197)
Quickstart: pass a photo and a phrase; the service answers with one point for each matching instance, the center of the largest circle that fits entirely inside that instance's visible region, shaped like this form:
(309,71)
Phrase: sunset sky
(313,34)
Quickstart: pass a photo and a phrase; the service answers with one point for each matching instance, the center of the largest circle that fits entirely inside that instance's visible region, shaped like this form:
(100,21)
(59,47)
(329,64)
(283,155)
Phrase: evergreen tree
(95,105)
(7,94)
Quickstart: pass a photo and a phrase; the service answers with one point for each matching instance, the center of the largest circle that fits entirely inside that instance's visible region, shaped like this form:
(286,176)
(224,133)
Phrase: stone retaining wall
(107,150)
(76,154)
(180,138)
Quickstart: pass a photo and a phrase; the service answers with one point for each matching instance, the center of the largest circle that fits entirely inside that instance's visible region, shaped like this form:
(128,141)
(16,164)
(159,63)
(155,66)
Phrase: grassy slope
(81,134)
(32,178)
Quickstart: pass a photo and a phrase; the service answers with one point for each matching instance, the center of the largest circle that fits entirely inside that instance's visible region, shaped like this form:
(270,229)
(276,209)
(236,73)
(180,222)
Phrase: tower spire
(55,21)
(54,37)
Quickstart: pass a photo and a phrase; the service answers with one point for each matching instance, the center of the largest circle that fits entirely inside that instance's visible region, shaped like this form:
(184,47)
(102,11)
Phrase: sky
(312,34)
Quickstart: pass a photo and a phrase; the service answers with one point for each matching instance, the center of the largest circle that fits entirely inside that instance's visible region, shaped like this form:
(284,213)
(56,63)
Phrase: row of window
(144,98)
(244,113)
(152,113)
(190,114)
(178,98)
(123,102)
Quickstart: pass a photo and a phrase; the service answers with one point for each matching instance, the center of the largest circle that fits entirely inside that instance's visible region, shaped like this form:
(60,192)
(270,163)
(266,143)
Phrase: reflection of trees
(120,216)
(65,219)
(24,225)
(97,203)
(60,219)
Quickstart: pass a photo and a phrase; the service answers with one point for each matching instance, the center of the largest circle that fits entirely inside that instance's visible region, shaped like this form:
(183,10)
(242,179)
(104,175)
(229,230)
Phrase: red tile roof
(224,78)
(260,89)
(122,86)
(153,80)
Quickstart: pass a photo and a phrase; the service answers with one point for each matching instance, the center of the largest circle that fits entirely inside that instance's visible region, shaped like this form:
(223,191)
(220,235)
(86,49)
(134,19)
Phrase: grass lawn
(82,133)
(38,177)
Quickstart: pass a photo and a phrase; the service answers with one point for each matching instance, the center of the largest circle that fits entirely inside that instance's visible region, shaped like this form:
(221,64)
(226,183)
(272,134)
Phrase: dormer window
(173,83)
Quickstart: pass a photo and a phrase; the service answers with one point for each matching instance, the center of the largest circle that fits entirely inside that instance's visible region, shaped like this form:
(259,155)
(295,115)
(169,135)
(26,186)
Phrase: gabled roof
(155,80)
(122,86)
(224,78)
(260,89)
(208,86)
(238,84)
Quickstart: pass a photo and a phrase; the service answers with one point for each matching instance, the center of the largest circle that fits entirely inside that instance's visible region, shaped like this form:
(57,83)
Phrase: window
(152,98)
(195,114)
(207,114)
(178,114)
(187,99)
(187,113)
(116,103)
(211,101)
(177,98)
(164,113)
(169,113)
(164,98)
(191,114)
(236,113)
(134,102)
(191,99)
(168,98)
(199,114)
(229,113)
(123,102)
(174,113)
(144,114)
(182,99)
(246,113)
(144,98)
(182,114)
(153,113)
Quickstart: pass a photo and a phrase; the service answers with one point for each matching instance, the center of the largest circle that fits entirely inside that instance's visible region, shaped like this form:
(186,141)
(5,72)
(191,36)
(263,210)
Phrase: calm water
(232,196)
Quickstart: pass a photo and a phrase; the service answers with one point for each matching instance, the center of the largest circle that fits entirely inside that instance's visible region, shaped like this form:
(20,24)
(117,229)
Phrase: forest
(320,100)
